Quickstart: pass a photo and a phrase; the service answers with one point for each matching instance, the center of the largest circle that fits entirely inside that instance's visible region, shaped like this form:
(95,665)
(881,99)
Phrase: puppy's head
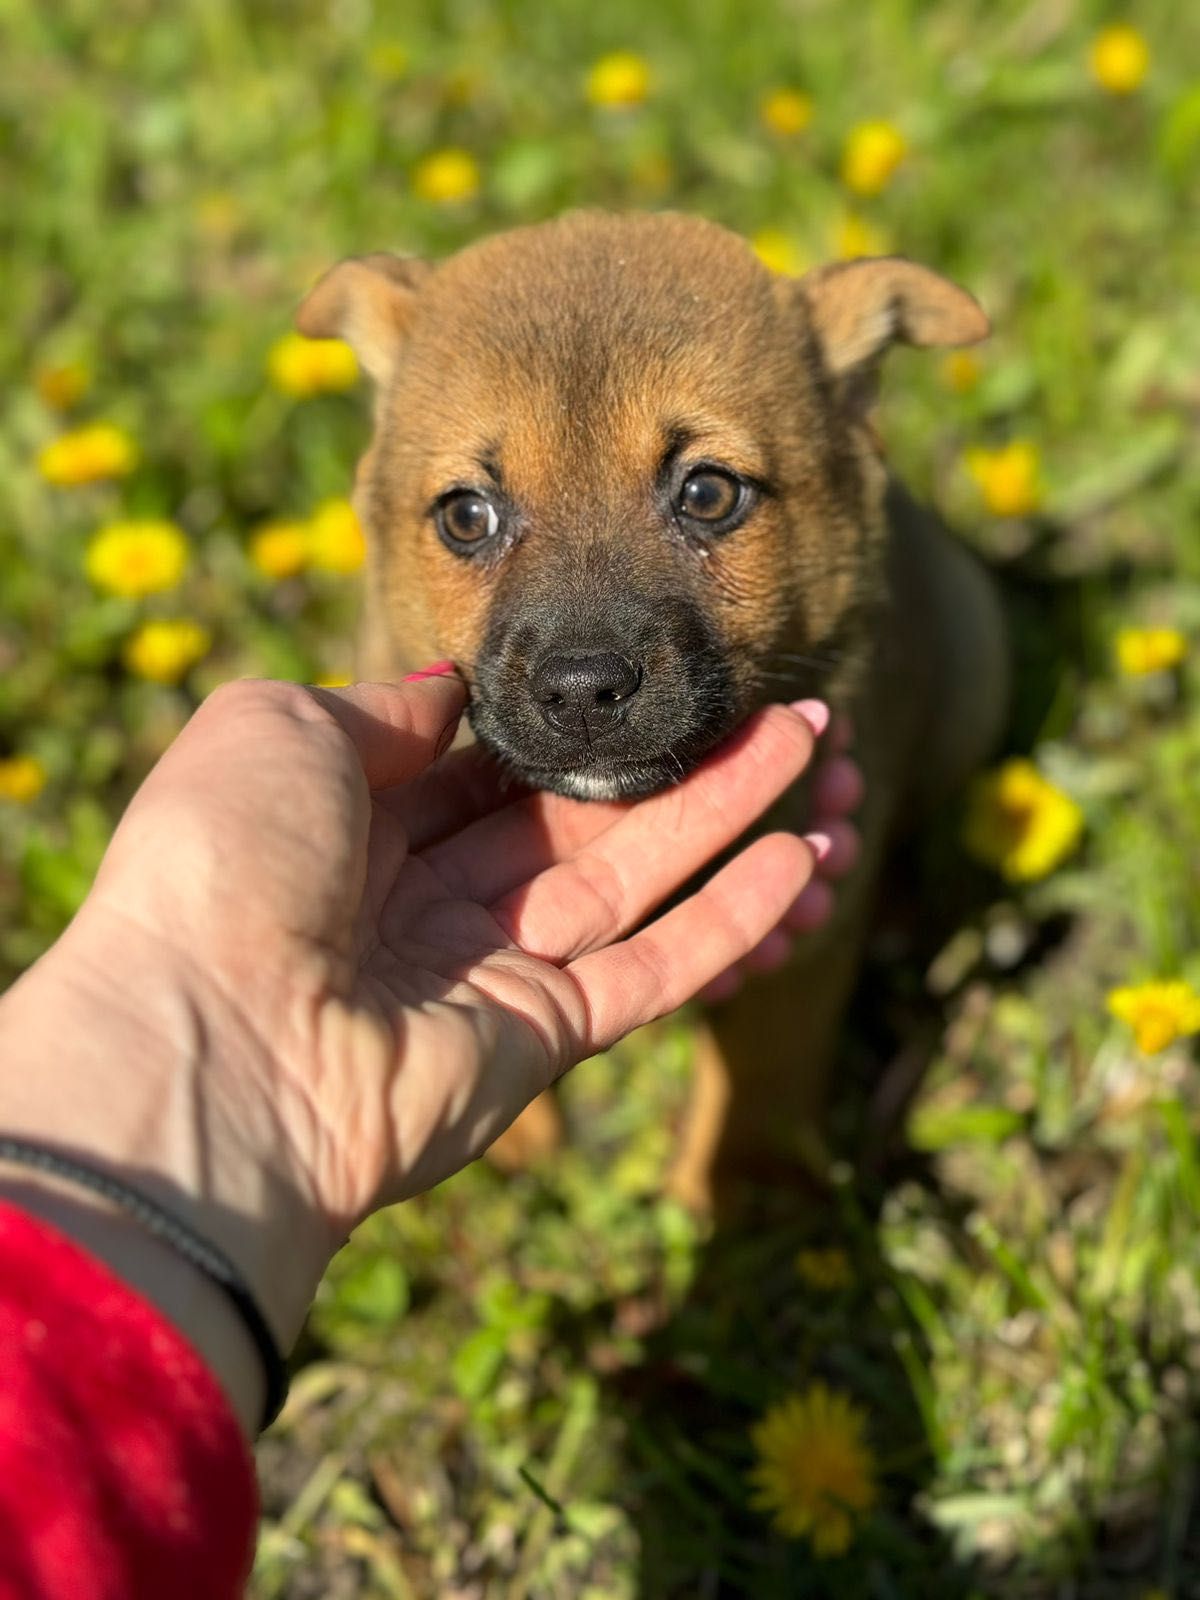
(624,475)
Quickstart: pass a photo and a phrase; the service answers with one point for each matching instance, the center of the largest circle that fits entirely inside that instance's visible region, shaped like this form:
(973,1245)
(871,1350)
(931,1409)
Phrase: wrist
(124,1054)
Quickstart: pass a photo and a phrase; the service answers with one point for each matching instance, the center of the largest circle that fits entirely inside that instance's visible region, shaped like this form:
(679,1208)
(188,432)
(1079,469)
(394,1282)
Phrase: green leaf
(935,1128)
(376,1290)
(477,1363)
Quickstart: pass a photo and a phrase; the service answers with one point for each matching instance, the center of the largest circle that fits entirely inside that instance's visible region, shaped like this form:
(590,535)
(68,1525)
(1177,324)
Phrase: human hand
(834,794)
(317,973)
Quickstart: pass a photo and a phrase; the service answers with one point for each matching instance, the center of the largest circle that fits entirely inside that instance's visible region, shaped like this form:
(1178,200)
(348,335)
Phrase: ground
(545,1387)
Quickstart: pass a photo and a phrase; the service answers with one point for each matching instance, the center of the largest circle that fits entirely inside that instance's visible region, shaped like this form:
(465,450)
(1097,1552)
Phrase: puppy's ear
(367,301)
(858,308)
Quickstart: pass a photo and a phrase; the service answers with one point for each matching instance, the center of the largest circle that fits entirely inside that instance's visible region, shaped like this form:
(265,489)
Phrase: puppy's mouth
(607,769)
(608,779)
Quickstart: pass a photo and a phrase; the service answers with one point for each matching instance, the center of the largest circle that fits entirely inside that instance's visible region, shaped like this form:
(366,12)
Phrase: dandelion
(279,549)
(1119,59)
(824,1269)
(1141,651)
(62,387)
(961,371)
(22,779)
(87,455)
(618,80)
(786,112)
(854,236)
(137,557)
(779,251)
(1019,822)
(335,538)
(304,367)
(815,1471)
(871,155)
(1008,478)
(334,680)
(164,650)
(447,177)
(1158,1012)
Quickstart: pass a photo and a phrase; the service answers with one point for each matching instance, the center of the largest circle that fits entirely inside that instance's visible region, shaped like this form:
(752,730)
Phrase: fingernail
(814,712)
(819,843)
(439,669)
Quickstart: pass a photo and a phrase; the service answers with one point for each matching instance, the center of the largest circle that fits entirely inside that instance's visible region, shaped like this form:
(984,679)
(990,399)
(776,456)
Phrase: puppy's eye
(466,518)
(709,496)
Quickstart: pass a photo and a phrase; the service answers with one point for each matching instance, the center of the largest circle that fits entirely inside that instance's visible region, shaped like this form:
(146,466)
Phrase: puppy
(627,478)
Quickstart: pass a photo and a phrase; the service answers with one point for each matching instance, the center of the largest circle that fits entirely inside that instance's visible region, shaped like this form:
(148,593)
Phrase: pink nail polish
(439,669)
(819,843)
(814,712)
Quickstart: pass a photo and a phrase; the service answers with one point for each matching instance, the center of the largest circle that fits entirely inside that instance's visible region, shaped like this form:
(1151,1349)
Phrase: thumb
(397,730)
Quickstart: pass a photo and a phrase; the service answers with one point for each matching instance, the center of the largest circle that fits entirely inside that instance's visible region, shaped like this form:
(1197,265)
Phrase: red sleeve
(123,1473)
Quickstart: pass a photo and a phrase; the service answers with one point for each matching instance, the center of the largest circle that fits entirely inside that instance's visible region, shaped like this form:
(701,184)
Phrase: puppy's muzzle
(584,696)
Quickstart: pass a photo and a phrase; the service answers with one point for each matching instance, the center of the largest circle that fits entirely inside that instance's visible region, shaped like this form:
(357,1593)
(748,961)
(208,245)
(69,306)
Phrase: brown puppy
(626,477)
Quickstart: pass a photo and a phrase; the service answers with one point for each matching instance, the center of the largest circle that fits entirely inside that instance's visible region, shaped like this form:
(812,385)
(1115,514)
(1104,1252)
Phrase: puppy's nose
(584,695)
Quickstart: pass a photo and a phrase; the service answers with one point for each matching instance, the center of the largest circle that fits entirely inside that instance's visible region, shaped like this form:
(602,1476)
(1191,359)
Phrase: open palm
(425,948)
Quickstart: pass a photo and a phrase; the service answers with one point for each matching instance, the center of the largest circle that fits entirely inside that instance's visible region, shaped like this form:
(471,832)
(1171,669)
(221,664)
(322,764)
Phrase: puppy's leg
(761,1080)
(536,1132)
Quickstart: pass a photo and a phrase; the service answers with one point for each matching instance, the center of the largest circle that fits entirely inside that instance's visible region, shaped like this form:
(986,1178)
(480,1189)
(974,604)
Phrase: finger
(397,730)
(836,847)
(609,885)
(837,788)
(667,962)
(496,853)
(771,953)
(723,987)
(812,908)
(502,852)
(446,798)
(840,736)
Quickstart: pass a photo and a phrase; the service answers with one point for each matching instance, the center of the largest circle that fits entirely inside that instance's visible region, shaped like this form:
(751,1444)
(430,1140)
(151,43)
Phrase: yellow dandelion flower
(618,80)
(335,538)
(22,779)
(825,1269)
(1019,822)
(166,649)
(854,236)
(786,112)
(1119,59)
(1140,651)
(779,251)
(961,371)
(1158,1012)
(334,680)
(137,557)
(62,387)
(304,367)
(1009,478)
(871,155)
(447,177)
(87,455)
(279,549)
(815,1470)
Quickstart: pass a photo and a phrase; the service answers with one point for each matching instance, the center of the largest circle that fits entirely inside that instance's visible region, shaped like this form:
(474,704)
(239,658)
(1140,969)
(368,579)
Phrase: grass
(543,1387)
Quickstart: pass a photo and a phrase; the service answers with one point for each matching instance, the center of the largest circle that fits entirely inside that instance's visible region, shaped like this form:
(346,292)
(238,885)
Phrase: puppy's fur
(571,380)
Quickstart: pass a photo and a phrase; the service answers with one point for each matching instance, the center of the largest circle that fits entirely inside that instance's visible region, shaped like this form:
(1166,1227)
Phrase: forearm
(110,1055)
